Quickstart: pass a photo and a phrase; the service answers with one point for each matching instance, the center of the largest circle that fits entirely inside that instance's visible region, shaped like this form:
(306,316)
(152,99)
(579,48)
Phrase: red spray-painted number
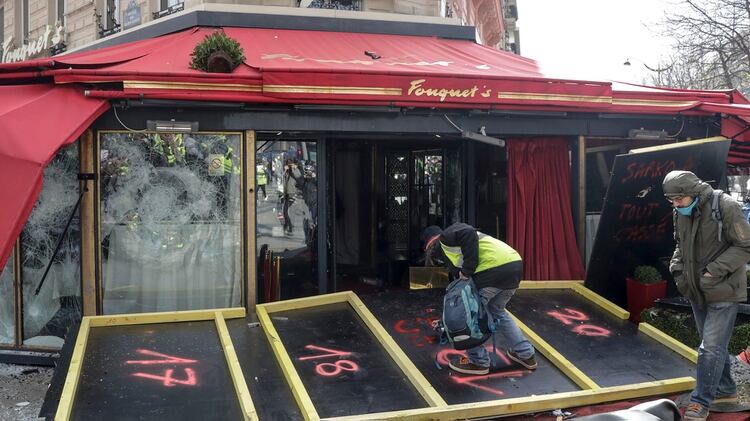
(330,369)
(167,380)
(568,316)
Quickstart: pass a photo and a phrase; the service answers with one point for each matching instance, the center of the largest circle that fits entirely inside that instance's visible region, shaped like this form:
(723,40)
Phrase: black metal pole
(60,240)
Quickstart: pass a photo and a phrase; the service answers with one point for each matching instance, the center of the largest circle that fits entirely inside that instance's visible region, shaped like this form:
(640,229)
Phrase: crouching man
(496,269)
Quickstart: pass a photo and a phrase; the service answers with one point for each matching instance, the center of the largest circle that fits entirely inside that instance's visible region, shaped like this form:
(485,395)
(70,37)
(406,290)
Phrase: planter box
(642,296)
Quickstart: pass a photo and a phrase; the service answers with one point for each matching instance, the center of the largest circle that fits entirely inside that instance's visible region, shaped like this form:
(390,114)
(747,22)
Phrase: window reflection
(7,319)
(287,219)
(170,221)
(48,314)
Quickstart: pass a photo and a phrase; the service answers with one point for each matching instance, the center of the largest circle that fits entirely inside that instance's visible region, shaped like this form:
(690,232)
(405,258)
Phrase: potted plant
(217,53)
(643,288)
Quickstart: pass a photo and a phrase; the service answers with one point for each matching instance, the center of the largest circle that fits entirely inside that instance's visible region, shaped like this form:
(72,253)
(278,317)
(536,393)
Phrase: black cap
(430,232)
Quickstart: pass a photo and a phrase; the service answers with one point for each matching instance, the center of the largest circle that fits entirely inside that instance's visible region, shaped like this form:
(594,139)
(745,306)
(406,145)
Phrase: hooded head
(683,183)
(429,233)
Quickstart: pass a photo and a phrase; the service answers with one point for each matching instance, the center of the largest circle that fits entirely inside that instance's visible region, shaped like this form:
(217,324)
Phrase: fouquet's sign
(52,36)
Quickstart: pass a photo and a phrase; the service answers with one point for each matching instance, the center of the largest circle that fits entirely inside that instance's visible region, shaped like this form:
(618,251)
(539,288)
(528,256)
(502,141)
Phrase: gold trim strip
(555,97)
(238,379)
(683,350)
(165,317)
(654,103)
(287,367)
(525,405)
(65,407)
(134,84)
(563,364)
(602,302)
(347,90)
(679,145)
(416,378)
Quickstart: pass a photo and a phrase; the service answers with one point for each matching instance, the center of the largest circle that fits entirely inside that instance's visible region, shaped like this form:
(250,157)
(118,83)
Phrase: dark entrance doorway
(384,193)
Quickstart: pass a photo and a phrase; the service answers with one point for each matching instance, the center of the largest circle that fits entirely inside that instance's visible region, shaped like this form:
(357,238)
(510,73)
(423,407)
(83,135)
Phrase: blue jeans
(510,335)
(715,322)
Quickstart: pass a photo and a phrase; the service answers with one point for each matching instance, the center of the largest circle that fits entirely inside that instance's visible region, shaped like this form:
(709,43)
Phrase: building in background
(495,21)
(39,28)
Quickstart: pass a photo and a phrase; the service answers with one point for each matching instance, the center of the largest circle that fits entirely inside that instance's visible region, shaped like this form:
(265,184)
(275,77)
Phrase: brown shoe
(463,365)
(696,412)
(529,363)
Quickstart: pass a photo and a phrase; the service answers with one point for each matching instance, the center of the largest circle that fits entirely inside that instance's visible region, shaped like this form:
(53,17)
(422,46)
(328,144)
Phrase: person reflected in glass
(291,178)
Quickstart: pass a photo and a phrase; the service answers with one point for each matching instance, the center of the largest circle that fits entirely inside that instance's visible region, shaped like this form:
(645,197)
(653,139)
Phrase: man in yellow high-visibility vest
(496,269)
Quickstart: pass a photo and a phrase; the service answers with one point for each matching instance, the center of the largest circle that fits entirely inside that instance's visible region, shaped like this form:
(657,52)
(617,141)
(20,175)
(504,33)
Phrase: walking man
(708,266)
(496,269)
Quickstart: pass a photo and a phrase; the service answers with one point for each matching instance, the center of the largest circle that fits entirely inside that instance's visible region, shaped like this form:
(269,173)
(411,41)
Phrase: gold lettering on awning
(417,89)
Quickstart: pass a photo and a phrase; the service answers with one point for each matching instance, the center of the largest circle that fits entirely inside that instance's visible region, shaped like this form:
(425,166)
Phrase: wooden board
(407,318)
(270,391)
(343,367)
(155,371)
(609,350)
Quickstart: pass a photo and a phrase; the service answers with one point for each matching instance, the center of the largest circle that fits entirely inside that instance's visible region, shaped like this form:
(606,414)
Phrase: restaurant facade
(133,183)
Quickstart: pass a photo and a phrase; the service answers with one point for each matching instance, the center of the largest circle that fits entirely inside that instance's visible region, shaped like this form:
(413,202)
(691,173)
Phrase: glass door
(286,229)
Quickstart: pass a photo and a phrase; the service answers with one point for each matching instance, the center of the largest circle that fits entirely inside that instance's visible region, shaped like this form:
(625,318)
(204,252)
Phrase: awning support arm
(65,231)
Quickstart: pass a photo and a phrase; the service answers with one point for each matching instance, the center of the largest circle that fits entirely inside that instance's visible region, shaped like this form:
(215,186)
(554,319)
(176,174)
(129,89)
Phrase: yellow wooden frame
(67,397)
(591,392)
(678,145)
(438,409)
(685,351)
(412,373)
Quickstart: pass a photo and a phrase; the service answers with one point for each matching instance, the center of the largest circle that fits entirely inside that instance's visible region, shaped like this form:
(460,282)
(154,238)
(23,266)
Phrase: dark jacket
(698,249)
(466,237)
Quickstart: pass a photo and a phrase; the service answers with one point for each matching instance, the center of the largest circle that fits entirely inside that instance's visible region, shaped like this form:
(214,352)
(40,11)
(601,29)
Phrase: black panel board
(52,397)
(169,371)
(609,350)
(342,365)
(636,221)
(269,390)
(406,315)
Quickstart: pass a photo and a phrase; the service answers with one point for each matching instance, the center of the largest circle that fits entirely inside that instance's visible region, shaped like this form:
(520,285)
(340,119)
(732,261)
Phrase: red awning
(35,121)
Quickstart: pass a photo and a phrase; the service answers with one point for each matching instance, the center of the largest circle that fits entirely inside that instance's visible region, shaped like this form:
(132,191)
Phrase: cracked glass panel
(48,314)
(7,320)
(287,219)
(170,221)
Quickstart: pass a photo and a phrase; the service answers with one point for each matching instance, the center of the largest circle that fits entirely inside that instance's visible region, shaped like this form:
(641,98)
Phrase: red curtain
(540,219)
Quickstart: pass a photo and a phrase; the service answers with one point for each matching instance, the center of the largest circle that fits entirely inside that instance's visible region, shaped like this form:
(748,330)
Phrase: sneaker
(723,399)
(696,412)
(529,363)
(463,365)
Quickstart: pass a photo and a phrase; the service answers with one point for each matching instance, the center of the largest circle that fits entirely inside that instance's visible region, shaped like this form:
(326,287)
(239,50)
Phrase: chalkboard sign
(636,222)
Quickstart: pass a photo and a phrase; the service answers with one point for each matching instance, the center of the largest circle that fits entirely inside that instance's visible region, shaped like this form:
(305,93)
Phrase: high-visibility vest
(168,151)
(260,172)
(492,253)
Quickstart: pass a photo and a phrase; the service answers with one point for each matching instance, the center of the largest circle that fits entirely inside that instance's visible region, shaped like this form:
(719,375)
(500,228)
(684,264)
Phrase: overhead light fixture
(647,134)
(483,138)
(172,126)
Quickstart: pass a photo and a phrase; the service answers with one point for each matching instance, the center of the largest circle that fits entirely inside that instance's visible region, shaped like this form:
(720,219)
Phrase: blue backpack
(465,320)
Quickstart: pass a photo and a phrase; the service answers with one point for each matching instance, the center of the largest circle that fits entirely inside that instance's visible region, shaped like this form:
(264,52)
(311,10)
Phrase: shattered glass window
(170,221)
(48,314)
(287,219)
(7,319)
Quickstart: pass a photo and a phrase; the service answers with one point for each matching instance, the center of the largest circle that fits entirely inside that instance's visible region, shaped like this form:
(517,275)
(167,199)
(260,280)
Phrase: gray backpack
(465,320)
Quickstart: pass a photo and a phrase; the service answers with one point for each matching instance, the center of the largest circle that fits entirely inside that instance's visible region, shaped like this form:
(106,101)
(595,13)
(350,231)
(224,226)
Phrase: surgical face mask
(687,210)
